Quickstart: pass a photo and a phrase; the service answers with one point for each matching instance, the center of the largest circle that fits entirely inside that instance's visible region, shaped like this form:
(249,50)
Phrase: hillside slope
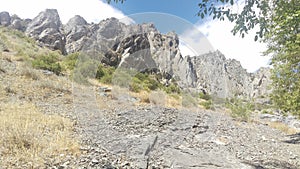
(122,132)
(143,48)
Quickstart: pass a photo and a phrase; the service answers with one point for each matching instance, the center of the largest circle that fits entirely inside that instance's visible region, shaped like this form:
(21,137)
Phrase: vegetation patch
(30,139)
(240,109)
(208,104)
(49,62)
(283,127)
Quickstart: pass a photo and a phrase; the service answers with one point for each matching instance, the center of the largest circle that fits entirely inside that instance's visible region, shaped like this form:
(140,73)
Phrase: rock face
(227,78)
(76,31)
(18,23)
(5,19)
(47,29)
(140,47)
(145,49)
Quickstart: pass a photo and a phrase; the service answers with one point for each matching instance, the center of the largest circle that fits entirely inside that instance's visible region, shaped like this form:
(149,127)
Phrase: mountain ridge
(143,47)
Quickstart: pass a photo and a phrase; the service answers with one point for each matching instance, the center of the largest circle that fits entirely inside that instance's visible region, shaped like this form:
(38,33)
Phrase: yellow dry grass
(174,101)
(283,127)
(158,98)
(143,96)
(30,138)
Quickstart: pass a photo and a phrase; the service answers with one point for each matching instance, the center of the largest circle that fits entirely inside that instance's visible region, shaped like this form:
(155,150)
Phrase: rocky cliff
(144,48)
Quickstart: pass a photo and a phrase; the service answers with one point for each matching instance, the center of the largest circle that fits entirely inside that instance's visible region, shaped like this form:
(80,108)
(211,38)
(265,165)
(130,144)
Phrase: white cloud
(193,42)
(245,50)
(91,10)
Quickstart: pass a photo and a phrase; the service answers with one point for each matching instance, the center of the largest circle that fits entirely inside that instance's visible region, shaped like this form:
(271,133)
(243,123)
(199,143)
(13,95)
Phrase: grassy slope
(30,138)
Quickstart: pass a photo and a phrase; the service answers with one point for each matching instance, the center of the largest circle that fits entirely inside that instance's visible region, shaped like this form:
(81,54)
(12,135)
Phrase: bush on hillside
(240,109)
(49,62)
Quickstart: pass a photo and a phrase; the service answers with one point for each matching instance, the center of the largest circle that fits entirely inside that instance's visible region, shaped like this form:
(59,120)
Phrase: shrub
(105,74)
(204,96)
(122,78)
(136,85)
(49,62)
(70,61)
(240,109)
(151,84)
(144,82)
(207,104)
(172,88)
(142,76)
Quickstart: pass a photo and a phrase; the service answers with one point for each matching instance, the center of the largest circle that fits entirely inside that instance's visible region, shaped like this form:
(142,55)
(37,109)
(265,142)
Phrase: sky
(196,36)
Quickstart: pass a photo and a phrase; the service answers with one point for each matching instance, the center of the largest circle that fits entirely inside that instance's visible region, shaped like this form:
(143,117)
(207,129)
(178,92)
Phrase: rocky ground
(159,137)
(121,133)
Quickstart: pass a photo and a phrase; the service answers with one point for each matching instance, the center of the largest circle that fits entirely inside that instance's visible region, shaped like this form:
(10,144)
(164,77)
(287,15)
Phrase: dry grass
(143,96)
(174,101)
(30,73)
(30,139)
(158,98)
(283,127)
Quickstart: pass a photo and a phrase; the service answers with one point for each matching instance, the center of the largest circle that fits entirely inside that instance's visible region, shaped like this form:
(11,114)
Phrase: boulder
(5,19)
(18,23)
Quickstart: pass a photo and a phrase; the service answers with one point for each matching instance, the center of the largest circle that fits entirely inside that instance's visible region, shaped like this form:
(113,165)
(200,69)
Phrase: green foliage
(172,88)
(136,85)
(245,20)
(143,81)
(208,104)
(284,44)
(204,96)
(265,111)
(240,109)
(152,84)
(206,100)
(70,60)
(105,74)
(49,62)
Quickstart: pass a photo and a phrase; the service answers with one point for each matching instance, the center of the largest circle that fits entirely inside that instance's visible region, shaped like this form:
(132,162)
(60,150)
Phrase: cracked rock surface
(159,137)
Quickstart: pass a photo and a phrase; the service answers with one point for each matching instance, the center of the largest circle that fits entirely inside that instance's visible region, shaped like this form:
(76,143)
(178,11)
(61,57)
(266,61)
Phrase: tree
(284,44)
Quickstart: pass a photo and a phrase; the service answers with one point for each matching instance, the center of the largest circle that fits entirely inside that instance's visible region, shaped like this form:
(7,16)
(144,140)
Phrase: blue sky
(195,35)
(184,9)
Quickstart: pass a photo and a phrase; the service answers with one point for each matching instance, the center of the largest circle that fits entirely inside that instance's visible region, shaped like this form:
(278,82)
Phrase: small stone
(95,161)
(125,163)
